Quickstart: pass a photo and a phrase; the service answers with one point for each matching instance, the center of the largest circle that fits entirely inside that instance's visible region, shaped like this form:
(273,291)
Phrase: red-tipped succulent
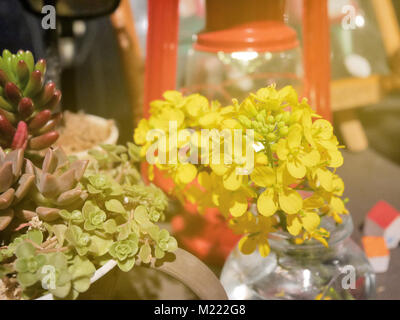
(26,103)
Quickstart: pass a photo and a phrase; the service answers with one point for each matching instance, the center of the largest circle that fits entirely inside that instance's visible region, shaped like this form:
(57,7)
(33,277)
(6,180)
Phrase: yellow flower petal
(266,204)
(261,158)
(325,178)
(310,221)
(172,95)
(337,205)
(247,245)
(231,124)
(264,249)
(282,151)
(296,169)
(186,173)
(196,105)
(219,169)
(232,181)
(338,186)
(288,95)
(263,176)
(310,159)
(204,180)
(290,201)
(208,120)
(141,132)
(324,128)
(293,225)
(313,202)
(238,206)
(337,218)
(336,158)
(294,136)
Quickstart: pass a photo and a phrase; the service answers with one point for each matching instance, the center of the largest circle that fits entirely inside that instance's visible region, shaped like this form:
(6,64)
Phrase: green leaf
(127,264)
(25,250)
(99,246)
(110,226)
(27,279)
(163,235)
(81,272)
(81,284)
(58,260)
(92,189)
(82,251)
(115,206)
(21,265)
(61,291)
(153,232)
(172,244)
(140,215)
(159,253)
(72,234)
(65,214)
(145,253)
(35,235)
(124,232)
(59,231)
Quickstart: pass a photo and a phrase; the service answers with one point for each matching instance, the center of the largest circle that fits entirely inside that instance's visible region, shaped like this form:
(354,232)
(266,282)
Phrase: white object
(383,221)
(101,272)
(357,66)
(379,264)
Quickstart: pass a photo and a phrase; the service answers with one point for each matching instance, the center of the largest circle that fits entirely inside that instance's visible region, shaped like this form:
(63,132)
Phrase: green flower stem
(267,147)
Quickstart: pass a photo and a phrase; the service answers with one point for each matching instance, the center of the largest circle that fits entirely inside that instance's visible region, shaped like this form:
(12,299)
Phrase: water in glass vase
(306,272)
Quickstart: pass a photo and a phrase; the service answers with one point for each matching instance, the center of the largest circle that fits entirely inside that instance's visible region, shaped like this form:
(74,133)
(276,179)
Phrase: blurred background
(99,76)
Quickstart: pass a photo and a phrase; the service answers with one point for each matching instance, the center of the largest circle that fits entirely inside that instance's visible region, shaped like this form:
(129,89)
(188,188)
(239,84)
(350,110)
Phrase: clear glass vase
(303,272)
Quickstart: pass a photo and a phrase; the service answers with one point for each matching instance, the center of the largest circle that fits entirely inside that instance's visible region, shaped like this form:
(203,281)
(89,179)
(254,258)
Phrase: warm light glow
(360,21)
(239,293)
(306,279)
(245,55)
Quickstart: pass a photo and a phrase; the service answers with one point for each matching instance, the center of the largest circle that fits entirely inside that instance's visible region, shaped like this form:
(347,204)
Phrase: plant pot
(201,280)
(95,124)
(305,272)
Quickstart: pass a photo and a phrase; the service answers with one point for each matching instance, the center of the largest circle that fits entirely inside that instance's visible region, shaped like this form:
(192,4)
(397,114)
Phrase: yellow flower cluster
(291,181)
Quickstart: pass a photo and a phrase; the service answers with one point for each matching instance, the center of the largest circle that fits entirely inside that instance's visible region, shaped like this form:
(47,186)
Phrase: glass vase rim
(338,233)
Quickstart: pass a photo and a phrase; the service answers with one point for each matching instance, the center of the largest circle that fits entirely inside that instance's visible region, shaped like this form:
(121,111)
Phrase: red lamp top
(260,36)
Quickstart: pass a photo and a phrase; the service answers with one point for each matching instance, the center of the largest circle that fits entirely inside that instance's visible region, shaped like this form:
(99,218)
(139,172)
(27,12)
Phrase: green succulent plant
(63,277)
(16,179)
(56,185)
(86,214)
(26,103)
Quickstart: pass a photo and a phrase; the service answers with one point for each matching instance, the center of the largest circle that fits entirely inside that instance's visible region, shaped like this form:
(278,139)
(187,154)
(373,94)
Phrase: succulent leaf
(25,98)
(15,183)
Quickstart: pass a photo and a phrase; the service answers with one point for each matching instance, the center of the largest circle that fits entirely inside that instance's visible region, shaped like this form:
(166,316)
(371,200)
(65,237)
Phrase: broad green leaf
(27,279)
(110,226)
(25,250)
(35,235)
(159,254)
(99,246)
(127,264)
(115,206)
(140,215)
(59,231)
(145,253)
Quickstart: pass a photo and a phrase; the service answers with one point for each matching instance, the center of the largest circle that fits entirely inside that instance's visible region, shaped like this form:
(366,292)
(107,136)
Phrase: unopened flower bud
(284,131)
(271,119)
(271,136)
